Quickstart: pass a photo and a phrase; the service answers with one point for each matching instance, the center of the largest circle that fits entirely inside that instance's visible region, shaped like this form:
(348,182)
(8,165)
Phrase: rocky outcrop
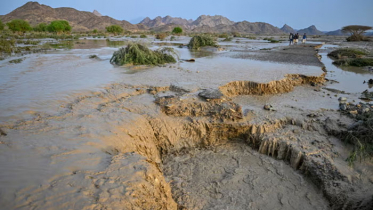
(287,29)
(95,12)
(36,13)
(312,30)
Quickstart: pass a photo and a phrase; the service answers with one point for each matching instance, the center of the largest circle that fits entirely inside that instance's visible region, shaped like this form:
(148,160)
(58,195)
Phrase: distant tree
(59,26)
(1,25)
(115,29)
(356,32)
(41,27)
(95,31)
(18,25)
(177,30)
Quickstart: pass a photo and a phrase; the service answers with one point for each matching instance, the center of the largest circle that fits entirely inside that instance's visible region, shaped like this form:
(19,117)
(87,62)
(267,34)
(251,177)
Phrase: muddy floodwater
(248,125)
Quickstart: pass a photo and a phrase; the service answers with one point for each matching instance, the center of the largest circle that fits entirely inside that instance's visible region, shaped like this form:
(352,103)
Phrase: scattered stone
(343,106)
(342,99)
(313,84)
(354,112)
(2,133)
(211,94)
(354,125)
(268,107)
(370,81)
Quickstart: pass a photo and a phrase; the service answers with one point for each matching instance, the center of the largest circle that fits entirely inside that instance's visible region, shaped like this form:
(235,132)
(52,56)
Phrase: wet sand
(116,148)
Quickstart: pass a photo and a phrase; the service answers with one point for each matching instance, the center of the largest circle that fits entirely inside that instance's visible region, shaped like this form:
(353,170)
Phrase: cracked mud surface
(154,142)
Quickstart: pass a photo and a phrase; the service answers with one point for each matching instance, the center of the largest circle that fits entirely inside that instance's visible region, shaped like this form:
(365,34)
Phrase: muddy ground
(193,136)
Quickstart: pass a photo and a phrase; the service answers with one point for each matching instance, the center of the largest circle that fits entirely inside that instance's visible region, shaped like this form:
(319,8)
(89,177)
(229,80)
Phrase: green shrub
(201,41)
(18,25)
(59,26)
(1,25)
(139,54)
(94,31)
(177,30)
(134,36)
(115,29)
(223,36)
(161,36)
(359,62)
(41,27)
(236,34)
(350,53)
(143,36)
(19,60)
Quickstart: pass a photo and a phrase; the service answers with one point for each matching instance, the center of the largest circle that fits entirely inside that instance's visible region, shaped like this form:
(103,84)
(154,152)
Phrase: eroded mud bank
(169,146)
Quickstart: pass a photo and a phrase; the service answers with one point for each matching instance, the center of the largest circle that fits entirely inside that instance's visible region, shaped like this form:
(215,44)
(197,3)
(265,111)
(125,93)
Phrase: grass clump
(93,56)
(201,41)
(161,36)
(139,54)
(361,138)
(358,62)
(19,60)
(227,39)
(350,53)
(143,36)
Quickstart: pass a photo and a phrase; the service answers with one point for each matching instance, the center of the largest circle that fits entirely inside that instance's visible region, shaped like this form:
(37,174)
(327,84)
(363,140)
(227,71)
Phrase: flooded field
(239,128)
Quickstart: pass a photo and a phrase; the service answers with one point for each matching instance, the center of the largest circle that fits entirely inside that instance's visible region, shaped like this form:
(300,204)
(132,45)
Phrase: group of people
(293,38)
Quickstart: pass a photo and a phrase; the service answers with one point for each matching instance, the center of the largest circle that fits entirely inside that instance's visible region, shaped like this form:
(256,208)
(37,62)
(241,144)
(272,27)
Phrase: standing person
(296,38)
(304,38)
(291,38)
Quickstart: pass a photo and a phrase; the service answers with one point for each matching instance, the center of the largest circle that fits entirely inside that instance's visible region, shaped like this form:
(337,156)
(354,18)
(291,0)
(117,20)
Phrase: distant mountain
(210,24)
(36,13)
(95,12)
(336,33)
(287,29)
(211,21)
(312,30)
(241,27)
(369,33)
(159,21)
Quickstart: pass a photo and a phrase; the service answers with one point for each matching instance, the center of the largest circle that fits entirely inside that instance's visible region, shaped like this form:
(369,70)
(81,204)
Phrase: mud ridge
(274,87)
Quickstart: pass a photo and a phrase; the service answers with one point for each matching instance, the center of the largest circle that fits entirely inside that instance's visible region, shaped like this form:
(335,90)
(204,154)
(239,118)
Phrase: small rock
(343,106)
(313,84)
(342,99)
(354,112)
(268,107)
(211,94)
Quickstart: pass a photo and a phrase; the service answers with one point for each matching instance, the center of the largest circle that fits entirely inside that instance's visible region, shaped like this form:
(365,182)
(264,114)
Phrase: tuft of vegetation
(1,25)
(93,56)
(138,54)
(172,38)
(41,27)
(18,25)
(358,62)
(134,36)
(177,30)
(161,36)
(115,29)
(350,53)
(59,26)
(361,138)
(7,46)
(19,60)
(143,36)
(94,31)
(236,34)
(227,39)
(223,36)
(356,32)
(201,41)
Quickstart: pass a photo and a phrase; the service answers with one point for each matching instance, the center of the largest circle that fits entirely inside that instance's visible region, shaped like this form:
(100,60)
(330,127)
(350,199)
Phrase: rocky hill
(159,21)
(210,24)
(36,13)
(312,30)
(241,27)
(336,33)
(287,29)
(95,12)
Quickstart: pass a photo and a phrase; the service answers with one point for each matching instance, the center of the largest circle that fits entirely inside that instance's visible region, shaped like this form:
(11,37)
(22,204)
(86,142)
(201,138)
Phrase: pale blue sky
(325,14)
